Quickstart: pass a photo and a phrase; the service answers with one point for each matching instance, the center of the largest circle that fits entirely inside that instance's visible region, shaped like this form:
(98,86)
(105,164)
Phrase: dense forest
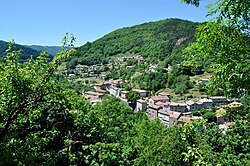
(26,52)
(44,122)
(153,40)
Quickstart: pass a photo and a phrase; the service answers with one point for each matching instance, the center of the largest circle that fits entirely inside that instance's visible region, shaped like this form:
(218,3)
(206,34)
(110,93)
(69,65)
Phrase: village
(160,105)
(157,106)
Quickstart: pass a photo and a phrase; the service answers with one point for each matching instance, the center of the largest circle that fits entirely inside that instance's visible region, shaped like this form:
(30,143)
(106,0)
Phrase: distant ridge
(53,50)
(26,53)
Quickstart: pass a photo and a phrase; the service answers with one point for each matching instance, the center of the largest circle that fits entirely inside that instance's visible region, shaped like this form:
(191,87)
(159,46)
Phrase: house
(93,97)
(205,103)
(113,90)
(174,116)
(191,105)
(155,99)
(94,67)
(234,104)
(80,67)
(162,104)
(143,93)
(152,111)
(141,105)
(114,82)
(187,119)
(101,86)
(85,74)
(178,107)
(168,117)
(184,119)
(221,100)
(220,116)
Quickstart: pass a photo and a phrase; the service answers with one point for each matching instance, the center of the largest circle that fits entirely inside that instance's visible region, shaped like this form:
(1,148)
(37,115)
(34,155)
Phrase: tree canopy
(152,40)
(226,41)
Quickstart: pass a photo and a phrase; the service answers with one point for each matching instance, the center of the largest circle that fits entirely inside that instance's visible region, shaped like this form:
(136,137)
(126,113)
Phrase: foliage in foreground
(225,40)
(42,123)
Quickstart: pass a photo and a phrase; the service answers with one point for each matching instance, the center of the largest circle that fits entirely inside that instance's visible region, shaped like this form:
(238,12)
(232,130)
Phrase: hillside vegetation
(53,50)
(152,40)
(25,53)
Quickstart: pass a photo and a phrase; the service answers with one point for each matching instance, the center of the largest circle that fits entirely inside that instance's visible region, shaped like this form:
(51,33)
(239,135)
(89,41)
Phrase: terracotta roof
(101,91)
(159,98)
(171,114)
(205,100)
(174,114)
(185,119)
(162,103)
(141,101)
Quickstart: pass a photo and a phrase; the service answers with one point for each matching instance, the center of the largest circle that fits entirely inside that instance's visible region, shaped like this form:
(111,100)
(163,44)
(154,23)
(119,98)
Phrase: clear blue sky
(45,22)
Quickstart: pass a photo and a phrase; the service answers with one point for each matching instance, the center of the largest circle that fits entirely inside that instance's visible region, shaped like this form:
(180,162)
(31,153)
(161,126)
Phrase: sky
(45,22)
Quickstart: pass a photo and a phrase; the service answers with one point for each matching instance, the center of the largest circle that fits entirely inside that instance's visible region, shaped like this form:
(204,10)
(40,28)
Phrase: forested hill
(154,40)
(26,52)
(53,50)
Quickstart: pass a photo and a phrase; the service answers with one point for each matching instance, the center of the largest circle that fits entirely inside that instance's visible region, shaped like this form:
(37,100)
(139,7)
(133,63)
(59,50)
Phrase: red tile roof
(101,91)
(175,115)
(184,119)
(160,98)
(160,103)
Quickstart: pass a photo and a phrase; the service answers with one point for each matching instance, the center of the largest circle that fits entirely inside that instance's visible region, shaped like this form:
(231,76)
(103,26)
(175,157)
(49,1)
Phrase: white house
(219,100)
(168,117)
(113,90)
(155,99)
(141,105)
(206,103)
(178,107)
(191,105)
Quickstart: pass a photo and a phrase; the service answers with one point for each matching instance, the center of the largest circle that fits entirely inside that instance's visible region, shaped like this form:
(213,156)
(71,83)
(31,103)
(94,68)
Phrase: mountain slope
(26,51)
(53,50)
(153,40)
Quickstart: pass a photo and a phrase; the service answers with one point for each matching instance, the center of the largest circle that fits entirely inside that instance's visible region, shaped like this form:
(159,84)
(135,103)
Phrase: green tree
(210,116)
(226,41)
(34,111)
(132,96)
